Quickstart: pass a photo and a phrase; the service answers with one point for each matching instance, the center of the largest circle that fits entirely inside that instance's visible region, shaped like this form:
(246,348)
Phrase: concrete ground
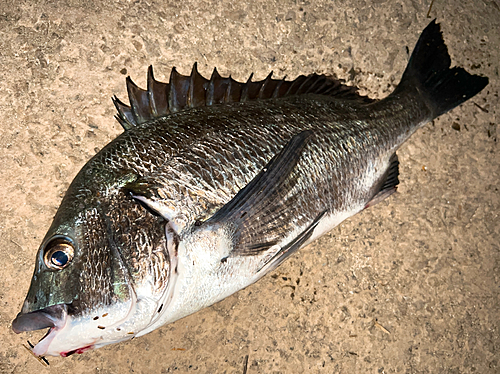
(411,285)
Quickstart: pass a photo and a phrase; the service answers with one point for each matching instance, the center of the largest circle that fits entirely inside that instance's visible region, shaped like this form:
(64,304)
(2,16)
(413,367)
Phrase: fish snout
(52,316)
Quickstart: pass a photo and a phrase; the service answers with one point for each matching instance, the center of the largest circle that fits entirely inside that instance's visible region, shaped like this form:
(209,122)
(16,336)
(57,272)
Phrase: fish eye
(58,253)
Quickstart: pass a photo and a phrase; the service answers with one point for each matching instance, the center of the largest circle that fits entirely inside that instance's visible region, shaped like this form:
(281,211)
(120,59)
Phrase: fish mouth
(53,317)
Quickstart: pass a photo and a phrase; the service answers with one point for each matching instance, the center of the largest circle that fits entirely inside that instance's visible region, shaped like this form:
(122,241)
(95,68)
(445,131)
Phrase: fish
(215,183)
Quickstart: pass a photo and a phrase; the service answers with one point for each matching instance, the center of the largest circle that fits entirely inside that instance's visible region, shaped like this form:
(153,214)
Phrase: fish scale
(213,184)
(256,150)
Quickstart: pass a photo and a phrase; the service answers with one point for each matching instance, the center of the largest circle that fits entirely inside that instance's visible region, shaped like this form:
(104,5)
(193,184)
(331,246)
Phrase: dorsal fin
(184,92)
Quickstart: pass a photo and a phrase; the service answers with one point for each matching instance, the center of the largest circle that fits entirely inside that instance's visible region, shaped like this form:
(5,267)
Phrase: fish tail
(442,87)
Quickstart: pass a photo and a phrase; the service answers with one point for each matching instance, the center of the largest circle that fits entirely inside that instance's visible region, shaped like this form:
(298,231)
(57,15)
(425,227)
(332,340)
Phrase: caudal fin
(429,70)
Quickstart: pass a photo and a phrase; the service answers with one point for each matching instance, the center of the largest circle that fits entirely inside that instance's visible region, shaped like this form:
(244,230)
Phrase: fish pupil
(59,258)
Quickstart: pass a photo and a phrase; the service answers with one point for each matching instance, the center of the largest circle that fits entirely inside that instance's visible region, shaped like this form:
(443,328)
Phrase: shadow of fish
(213,184)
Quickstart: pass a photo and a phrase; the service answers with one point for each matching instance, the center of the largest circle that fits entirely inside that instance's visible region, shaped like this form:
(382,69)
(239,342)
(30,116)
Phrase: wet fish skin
(183,210)
(314,175)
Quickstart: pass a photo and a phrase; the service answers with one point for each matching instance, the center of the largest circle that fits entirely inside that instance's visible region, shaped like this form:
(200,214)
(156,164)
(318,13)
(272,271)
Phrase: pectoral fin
(259,215)
(293,246)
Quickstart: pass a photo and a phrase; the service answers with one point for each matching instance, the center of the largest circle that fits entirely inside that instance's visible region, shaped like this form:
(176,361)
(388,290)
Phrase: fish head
(98,276)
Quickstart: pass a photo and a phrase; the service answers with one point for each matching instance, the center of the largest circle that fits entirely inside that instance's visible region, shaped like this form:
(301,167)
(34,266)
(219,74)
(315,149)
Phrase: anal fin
(388,183)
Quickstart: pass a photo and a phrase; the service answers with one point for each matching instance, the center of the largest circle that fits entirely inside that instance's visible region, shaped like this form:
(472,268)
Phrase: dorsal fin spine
(150,83)
(190,96)
(161,99)
(304,84)
(277,88)
(172,99)
(265,83)
(314,86)
(296,82)
(131,97)
(124,116)
(244,92)
(211,87)
(227,94)
(323,85)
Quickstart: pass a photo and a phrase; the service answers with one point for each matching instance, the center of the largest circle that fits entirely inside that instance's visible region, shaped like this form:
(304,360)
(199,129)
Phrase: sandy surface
(409,286)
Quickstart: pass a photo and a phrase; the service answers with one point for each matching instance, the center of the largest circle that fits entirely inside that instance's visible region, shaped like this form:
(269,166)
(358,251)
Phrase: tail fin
(429,70)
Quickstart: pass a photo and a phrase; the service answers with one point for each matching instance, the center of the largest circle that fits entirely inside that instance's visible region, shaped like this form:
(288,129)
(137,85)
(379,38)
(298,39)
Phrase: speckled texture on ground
(409,286)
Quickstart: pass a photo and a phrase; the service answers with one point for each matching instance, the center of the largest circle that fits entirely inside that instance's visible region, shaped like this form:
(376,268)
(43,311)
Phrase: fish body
(215,183)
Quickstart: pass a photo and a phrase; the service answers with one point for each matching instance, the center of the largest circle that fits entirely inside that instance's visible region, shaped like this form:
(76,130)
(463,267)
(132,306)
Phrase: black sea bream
(213,184)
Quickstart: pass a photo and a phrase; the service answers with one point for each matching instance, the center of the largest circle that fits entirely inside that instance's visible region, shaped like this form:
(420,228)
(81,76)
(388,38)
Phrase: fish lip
(53,316)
